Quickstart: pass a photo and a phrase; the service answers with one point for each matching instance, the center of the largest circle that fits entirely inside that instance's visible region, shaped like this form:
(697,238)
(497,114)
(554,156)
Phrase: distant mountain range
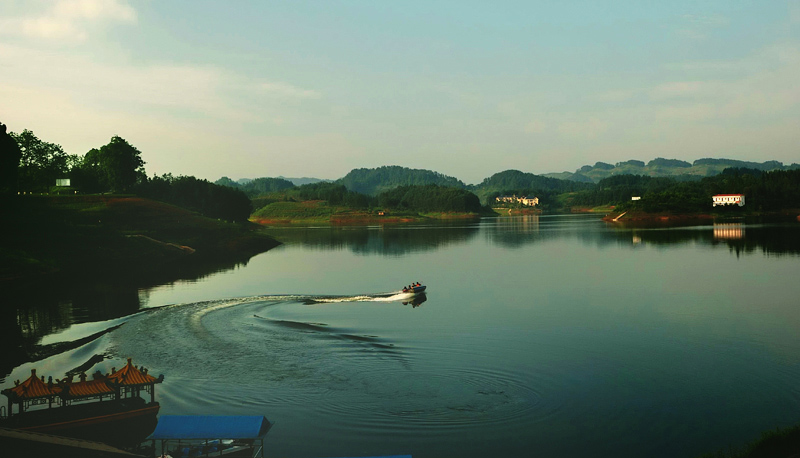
(294,181)
(377,180)
(661,167)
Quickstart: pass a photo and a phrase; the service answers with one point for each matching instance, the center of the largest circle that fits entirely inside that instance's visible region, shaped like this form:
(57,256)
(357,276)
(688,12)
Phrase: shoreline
(365,220)
(113,236)
(638,217)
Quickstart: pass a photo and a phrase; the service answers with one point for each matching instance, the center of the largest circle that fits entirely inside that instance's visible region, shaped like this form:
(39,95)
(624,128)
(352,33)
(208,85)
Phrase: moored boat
(108,407)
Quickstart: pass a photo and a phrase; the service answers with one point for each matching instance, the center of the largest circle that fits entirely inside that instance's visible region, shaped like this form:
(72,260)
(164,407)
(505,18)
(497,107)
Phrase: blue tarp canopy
(174,427)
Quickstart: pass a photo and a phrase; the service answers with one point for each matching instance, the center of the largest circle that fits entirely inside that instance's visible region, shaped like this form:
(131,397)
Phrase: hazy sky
(468,89)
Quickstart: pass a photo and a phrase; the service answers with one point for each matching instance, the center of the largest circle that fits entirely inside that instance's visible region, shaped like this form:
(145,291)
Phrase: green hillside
(374,181)
(522,183)
(257,187)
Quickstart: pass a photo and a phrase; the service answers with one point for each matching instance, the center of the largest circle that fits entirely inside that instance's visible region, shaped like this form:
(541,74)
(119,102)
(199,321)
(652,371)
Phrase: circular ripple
(442,398)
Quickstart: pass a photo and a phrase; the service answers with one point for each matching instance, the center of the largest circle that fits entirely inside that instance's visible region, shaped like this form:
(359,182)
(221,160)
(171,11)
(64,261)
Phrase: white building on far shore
(524,200)
(728,199)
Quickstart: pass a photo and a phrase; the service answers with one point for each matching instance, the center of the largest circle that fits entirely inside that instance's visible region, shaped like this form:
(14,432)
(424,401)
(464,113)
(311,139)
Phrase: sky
(468,89)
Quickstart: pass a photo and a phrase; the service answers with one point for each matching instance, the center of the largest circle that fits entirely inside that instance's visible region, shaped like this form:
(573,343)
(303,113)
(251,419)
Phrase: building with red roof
(728,199)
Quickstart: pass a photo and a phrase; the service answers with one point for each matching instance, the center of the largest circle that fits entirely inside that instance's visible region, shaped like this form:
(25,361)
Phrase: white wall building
(530,202)
(728,199)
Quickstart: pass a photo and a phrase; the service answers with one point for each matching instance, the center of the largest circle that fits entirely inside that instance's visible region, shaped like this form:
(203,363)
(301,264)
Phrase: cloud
(91,88)
(691,34)
(614,96)
(794,11)
(712,20)
(697,26)
(677,89)
(279,89)
(758,86)
(591,128)
(69,19)
(535,126)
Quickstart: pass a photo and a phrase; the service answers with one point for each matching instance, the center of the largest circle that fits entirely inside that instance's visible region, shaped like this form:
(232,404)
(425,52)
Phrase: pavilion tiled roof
(35,387)
(87,388)
(131,376)
(32,388)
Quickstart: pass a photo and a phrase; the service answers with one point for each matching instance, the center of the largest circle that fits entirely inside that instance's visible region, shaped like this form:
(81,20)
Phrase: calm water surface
(545,336)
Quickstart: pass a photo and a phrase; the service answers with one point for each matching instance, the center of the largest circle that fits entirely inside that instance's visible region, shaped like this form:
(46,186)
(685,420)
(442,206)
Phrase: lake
(544,336)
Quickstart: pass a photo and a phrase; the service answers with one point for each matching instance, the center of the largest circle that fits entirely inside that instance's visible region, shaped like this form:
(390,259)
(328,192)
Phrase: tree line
(418,198)
(257,187)
(764,191)
(32,165)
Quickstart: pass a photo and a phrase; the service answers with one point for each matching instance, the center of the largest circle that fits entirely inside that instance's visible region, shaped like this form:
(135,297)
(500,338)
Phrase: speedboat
(415,289)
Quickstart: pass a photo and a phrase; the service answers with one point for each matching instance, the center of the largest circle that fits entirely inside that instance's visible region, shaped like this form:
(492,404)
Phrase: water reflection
(37,308)
(41,308)
(417,300)
(518,231)
(772,240)
(383,240)
(730,231)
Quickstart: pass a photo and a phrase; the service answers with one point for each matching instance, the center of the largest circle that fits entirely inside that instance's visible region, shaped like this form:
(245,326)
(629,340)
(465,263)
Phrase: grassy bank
(321,212)
(94,235)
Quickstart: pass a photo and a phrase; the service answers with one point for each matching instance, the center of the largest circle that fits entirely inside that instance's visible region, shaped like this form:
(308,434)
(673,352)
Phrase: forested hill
(660,167)
(522,183)
(374,181)
(257,187)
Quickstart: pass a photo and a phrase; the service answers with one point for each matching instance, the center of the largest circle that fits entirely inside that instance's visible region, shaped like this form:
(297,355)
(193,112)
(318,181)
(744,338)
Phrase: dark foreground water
(539,336)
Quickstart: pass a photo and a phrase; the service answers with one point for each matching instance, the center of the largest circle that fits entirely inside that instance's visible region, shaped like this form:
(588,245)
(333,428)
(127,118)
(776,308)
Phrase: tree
(120,164)
(41,162)
(9,161)
(209,199)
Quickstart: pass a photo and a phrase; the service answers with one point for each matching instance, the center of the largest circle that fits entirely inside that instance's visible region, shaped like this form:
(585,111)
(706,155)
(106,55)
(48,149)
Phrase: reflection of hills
(518,231)
(391,241)
(740,238)
(772,240)
(37,308)
(513,232)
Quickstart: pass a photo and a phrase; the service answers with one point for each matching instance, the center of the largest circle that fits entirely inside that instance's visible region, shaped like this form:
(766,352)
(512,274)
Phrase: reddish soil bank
(697,218)
(659,217)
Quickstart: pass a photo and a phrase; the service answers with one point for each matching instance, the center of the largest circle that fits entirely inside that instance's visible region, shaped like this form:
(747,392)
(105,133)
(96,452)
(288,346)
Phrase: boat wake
(82,345)
(394,296)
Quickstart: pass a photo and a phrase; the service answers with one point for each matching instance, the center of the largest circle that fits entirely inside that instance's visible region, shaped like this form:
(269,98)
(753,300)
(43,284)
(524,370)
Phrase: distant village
(719,199)
(525,201)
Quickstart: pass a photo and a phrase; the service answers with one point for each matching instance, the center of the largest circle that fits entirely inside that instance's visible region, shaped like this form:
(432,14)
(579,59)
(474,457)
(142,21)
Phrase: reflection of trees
(518,231)
(37,308)
(772,240)
(385,240)
(515,232)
